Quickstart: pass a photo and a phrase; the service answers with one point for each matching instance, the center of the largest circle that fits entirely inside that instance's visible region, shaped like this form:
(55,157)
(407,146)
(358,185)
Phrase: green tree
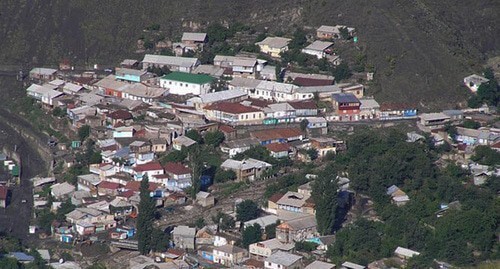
(270,230)
(159,240)
(312,153)
(247,210)
(222,175)
(193,134)
(299,40)
(200,223)
(486,156)
(303,125)
(325,198)
(84,132)
(214,138)
(471,124)
(145,218)
(279,72)
(64,209)
(305,246)
(251,234)
(9,263)
(196,162)
(174,156)
(344,33)
(341,72)
(451,130)
(224,221)
(97,266)
(58,112)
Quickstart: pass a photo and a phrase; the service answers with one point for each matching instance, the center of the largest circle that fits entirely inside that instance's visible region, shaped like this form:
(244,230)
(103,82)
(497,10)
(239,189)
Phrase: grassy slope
(432,44)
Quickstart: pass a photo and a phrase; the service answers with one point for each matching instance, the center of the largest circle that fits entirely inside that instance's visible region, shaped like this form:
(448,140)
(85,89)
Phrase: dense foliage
(462,235)
(247,210)
(251,234)
(325,199)
(145,218)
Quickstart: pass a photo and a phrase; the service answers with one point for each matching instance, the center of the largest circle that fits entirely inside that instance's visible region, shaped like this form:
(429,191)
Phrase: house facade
(273,46)
(183,83)
(233,113)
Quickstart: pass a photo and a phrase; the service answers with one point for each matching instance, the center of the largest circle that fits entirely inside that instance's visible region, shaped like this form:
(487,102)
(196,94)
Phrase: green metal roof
(189,78)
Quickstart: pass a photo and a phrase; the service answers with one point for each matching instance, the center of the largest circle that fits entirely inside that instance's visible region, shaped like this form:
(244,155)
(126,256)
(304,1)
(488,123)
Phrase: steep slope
(420,48)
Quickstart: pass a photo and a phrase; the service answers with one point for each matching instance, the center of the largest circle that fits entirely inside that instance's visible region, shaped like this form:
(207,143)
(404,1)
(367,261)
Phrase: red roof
(276,197)
(396,106)
(3,193)
(278,147)
(253,263)
(151,166)
(140,133)
(127,194)
(110,148)
(226,128)
(120,115)
(309,82)
(272,134)
(496,145)
(259,102)
(176,251)
(177,169)
(109,185)
(135,186)
(233,108)
(304,105)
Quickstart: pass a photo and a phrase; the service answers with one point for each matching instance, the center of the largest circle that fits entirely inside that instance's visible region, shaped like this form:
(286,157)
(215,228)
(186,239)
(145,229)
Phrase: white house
(43,93)
(123,132)
(273,46)
(144,93)
(318,48)
(181,64)
(271,90)
(283,260)
(184,83)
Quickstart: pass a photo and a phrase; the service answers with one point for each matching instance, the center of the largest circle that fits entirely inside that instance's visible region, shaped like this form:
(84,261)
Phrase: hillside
(420,49)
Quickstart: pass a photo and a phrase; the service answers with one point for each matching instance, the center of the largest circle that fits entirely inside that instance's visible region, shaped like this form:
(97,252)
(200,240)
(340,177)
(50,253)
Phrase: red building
(346,106)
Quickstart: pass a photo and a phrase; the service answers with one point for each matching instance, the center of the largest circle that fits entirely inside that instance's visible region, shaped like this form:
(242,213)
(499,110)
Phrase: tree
(451,130)
(247,210)
(305,246)
(222,175)
(251,234)
(325,198)
(341,72)
(312,153)
(8,263)
(344,33)
(471,124)
(279,72)
(299,40)
(199,223)
(486,156)
(270,230)
(64,209)
(303,125)
(193,134)
(58,112)
(159,240)
(224,221)
(214,138)
(175,156)
(84,132)
(145,218)
(196,162)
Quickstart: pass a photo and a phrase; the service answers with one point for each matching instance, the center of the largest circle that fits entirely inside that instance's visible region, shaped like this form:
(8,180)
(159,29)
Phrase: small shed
(205,199)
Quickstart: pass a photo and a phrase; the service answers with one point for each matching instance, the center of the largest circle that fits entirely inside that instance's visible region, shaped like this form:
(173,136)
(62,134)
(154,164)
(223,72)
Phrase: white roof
(319,45)
(434,116)
(274,42)
(244,164)
(44,91)
(208,69)
(38,181)
(61,189)
(351,265)
(283,258)
(243,61)
(320,89)
(170,60)
(110,82)
(221,96)
(184,140)
(293,199)
(184,230)
(369,103)
(276,86)
(320,265)
(202,194)
(275,244)
(72,87)
(43,71)
(262,221)
(240,82)
(65,265)
(91,178)
(141,90)
(57,82)
(316,120)
(476,79)
(333,29)
(200,37)
(406,252)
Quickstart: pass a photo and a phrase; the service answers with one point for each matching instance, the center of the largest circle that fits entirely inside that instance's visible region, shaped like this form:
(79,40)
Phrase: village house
(111,87)
(332,32)
(320,49)
(247,169)
(396,111)
(182,141)
(229,96)
(297,229)
(262,250)
(474,81)
(123,132)
(325,145)
(280,112)
(205,199)
(312,82)
(283,260)
(61,190)
(405,253)
(351,265)
(272,203)
(262,221)
(131,75)
(194,41)
(296,202)
(205,236)
(273,46)
(317,126)
(277,91)
(320,265)
(184,83)
(149,169)
(179,176)
(43,74)
(208,69)
(88,182)
(120,116)
(108,188)
(434,120)
(229,255)
(3,196)
(253,264)
(233,113)
(398,196)
(304,109)
(158,145)
(129,63)
(43,93)
(369,109)
(144,93)
(281,135)
(278,150)
(234,147)
(184,237)
(181,64)
(72,89)
(346,106)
